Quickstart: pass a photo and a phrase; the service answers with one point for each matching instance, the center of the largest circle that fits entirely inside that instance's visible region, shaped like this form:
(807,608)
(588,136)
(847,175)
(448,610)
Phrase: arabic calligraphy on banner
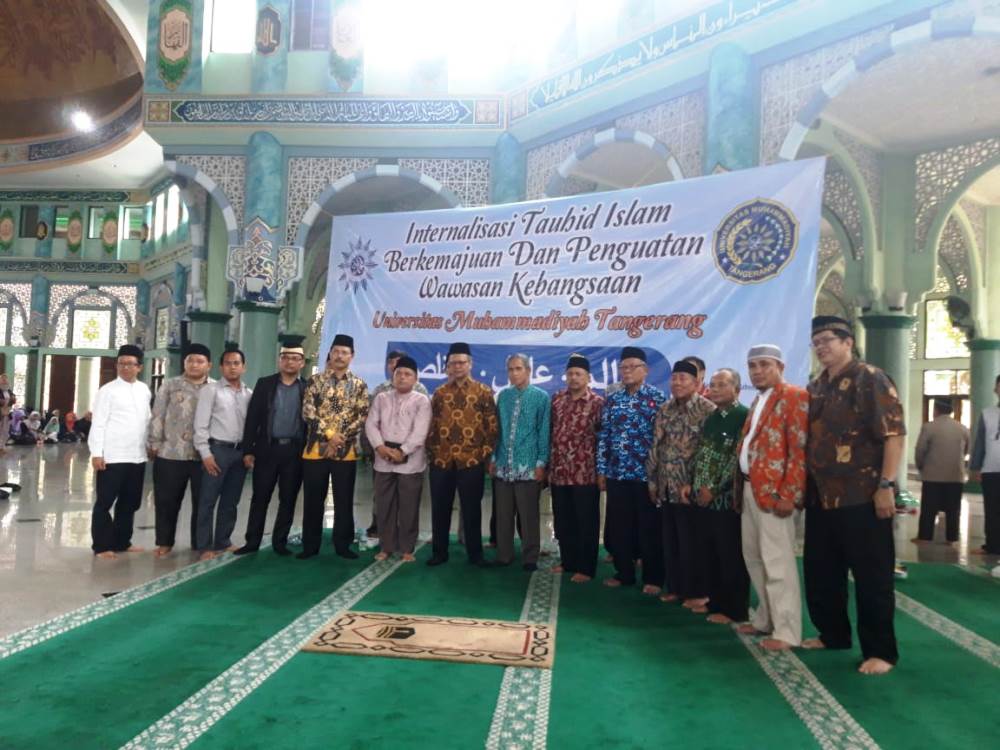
(322,111)
(704,267)
(651,48)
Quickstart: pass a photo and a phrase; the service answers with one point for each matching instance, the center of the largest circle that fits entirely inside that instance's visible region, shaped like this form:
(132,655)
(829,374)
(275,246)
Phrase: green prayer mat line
(934,697)
(135,665)
(521,716)
(982,571)
(318,701)
(830,723)
(42,632)
(197,714)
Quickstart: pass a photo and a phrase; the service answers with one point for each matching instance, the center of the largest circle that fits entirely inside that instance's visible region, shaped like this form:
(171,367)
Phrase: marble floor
(47,568)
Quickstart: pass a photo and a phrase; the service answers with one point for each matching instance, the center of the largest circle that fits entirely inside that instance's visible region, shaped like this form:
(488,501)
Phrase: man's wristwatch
(885,484)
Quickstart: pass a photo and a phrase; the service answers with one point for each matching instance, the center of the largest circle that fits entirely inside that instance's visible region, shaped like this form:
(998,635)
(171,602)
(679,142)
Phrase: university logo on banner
(705,267)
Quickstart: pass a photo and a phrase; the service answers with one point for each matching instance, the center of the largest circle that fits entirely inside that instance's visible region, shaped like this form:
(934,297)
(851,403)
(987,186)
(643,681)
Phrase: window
(95,222)
(233,23)
(162,328)
(159,216)
(29,221)
(132,226)
(62,221)
(942,340)
(311,24)
(947,382)
(173,212)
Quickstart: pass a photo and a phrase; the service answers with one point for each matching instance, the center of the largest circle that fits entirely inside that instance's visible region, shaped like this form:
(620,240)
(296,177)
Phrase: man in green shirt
(712,487)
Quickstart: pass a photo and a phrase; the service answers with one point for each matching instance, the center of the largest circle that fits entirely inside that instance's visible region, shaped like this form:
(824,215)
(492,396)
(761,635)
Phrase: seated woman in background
(31,430)
(68,433)
(50,433)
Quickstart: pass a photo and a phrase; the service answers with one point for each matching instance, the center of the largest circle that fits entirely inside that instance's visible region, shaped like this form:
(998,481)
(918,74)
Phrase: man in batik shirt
(576,501)
(676,438)
(855,446)
(712,488)
(334,408)
(632,523)
(461,439)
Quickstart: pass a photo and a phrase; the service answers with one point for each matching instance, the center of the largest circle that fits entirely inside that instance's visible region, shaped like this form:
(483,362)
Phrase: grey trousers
(397,510)
(523,496)
(225,490)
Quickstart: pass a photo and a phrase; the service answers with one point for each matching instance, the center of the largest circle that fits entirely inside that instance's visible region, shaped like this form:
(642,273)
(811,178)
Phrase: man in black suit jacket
(272,446)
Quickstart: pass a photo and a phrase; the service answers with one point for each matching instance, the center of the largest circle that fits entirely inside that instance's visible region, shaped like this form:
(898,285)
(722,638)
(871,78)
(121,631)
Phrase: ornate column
(984,366)
(508,172)
(36,335)
(83,396)
(731,140)
(887,345)
(209,328)
(46,214)
(261,269)
(270,51)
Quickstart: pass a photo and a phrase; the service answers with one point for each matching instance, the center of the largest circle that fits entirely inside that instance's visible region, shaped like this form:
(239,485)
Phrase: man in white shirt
(218,437)
(118,454)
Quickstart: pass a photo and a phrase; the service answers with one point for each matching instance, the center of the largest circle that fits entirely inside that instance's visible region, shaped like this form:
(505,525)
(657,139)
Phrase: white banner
(704,267)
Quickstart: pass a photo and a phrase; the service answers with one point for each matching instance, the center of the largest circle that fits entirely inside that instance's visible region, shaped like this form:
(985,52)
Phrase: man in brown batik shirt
(854,448)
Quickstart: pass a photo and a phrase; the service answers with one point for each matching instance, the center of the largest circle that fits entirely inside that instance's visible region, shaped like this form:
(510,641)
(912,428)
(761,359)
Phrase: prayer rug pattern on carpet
(461,639)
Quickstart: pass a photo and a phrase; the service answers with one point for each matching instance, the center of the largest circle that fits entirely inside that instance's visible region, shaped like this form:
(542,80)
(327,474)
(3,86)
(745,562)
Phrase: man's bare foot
(692,603)
(612,583)
(667,598)
(208,555)
(162,551)
(557,569)
(699,610)
(978,551)
(918,540)
(408,557)
(231,548)
(874,666)
(107,555)
(135,548)
(651,590)
(609,558)
(748,629)
(491,545)
(774,644)
(580,578)
(718,618)
(813,643)
(380,556)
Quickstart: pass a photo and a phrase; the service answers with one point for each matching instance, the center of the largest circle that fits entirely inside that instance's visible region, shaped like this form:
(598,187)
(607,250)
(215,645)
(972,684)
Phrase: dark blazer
(257,428)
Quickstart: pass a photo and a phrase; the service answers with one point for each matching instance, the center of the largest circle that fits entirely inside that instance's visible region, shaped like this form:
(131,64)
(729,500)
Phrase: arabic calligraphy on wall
(175,42)
(638,53)
(346,112)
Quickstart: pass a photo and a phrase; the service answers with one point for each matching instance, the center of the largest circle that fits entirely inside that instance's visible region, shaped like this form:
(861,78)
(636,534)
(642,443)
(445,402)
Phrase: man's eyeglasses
(817,343)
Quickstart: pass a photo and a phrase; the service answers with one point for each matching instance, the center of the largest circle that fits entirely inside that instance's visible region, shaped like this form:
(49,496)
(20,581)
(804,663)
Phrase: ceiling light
(82,121)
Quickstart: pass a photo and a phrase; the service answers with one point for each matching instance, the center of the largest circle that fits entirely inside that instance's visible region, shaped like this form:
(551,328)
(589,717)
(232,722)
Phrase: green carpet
(629,672)
(101,684)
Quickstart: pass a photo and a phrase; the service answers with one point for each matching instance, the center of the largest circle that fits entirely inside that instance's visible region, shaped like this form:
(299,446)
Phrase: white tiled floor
(47,568)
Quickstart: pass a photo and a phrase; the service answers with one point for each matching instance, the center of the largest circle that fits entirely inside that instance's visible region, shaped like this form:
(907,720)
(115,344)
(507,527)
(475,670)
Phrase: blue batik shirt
(523,444)
(626,434)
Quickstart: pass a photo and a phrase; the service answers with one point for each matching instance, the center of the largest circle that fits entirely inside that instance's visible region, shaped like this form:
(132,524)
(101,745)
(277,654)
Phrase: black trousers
(281,466)
(991,511)
(937,497)
(576,511)
(316,477)
(170,482)
(685,549)
(635,532)
(728,581)
(469,483)
(851,539)
(119,486)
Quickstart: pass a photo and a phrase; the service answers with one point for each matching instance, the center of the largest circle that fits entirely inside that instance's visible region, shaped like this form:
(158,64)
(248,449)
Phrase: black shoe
(305,555)
(530,567)
(283,551)
(347,553)
(437,561)
(13,487)
(245,550)
(372,532)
